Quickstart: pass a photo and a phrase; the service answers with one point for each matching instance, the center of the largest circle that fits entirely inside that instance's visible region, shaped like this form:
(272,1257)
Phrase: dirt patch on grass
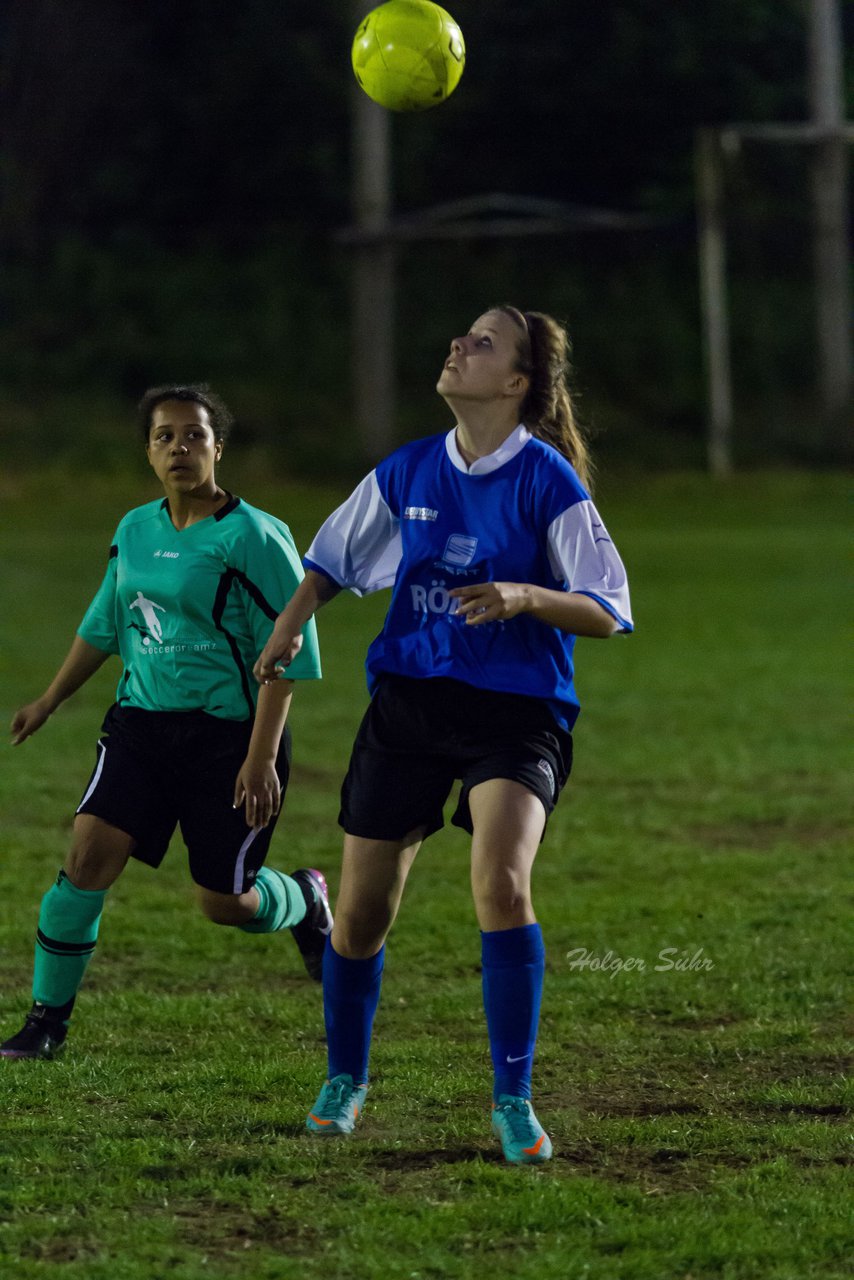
(656,1170)
(765,833)
(831,1111)
(63,1249)
(665,1019)
(642,1107)
(219,1231)
(615,1106)
(669,1170)
(397,1161)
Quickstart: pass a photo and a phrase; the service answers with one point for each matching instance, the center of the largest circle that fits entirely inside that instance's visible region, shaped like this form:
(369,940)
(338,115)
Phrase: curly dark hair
(196,393)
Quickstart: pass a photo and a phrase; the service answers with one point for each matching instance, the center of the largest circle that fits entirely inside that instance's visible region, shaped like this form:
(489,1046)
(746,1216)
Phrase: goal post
(832,289)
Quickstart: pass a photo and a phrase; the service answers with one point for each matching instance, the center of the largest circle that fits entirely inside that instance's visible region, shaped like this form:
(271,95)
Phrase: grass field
(697,1102)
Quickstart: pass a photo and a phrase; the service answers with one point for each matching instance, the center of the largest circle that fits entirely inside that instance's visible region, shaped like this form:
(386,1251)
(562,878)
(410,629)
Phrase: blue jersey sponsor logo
(459,549)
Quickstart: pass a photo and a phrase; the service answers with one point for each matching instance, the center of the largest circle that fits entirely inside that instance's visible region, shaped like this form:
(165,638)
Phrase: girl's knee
(80,865)
(358,937)
(502,898)
(93,863)
(225,908)
(98,853)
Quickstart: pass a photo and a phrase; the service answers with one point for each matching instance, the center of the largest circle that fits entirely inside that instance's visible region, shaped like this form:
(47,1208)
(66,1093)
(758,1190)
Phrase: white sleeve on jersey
(359,545)
(583,555)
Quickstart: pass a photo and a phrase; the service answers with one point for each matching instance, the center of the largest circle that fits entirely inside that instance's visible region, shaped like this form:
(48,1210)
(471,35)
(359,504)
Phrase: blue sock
(351,993)
(513,966)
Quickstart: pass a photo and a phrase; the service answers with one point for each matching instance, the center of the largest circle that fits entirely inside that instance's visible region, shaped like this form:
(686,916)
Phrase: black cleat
(312,931)
(42,1035)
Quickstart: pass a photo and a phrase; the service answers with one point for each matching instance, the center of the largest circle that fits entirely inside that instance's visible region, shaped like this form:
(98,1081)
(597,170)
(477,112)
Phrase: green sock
(282,903)
(66,937)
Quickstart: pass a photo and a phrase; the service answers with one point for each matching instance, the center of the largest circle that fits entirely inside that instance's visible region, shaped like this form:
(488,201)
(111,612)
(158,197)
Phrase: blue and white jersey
(424,522)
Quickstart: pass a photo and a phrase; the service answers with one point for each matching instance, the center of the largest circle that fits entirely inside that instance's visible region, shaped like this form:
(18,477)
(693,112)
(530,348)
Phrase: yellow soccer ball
(408,55)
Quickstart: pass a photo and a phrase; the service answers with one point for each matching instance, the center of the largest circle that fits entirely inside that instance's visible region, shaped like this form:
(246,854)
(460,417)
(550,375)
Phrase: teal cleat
(523,1138)
(338,1107)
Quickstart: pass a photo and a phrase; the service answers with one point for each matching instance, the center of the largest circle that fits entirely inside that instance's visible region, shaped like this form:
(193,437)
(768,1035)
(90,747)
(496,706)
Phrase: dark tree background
(173,176)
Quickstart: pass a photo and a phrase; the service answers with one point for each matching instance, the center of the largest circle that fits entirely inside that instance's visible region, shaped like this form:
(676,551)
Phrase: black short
(160,769)
(418,736)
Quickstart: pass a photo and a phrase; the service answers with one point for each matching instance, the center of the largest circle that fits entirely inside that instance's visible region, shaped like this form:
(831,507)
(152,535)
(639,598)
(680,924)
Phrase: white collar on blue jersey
(515,442)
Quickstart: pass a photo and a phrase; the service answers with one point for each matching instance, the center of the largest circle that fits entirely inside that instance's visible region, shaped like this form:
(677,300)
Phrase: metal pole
(830,206)
(713,300)
(373,283)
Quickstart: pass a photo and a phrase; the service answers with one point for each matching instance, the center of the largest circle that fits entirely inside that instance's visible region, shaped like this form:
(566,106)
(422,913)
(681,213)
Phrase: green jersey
(189,610)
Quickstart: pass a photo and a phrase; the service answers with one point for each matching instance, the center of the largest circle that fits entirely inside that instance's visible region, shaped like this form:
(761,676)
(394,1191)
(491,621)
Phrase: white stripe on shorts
(241,858)
(95,777)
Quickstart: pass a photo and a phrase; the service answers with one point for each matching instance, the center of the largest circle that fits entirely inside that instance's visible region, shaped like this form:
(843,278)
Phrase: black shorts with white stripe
(158,770)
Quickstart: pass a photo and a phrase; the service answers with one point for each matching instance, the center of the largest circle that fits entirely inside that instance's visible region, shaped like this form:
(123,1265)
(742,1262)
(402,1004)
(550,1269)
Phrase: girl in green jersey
(194,582)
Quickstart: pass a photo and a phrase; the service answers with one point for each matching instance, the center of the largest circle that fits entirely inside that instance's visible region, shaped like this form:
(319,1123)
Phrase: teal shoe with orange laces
(338,1107)
(523,1138)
